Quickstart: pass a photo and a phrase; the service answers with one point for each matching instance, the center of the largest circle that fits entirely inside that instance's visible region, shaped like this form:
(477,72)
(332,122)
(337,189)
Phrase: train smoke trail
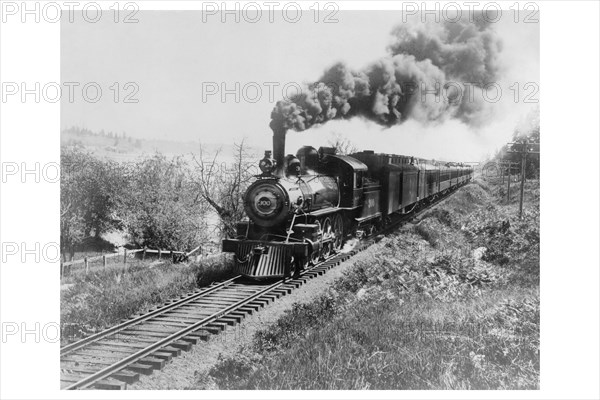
(425,77)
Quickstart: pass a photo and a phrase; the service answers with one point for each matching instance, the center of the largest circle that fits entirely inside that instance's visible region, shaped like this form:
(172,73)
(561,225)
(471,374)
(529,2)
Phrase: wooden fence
(65,267)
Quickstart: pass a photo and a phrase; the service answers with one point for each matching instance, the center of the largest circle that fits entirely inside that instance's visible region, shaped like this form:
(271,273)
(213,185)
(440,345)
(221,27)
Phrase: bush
(159,207)
(427,232)
(442,215)
(296,323)
(232,373)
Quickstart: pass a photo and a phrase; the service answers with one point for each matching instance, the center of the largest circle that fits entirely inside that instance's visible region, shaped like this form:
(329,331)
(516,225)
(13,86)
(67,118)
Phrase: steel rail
(124,325)
(111,369)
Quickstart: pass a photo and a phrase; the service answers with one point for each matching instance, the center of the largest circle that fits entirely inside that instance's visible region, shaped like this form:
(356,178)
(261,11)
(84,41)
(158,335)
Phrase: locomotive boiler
(303,207)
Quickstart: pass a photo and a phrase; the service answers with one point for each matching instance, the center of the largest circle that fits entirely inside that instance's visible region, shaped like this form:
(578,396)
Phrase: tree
(528,130)
(153,200)
(159,208)
(72,209)
(342,145)
(90,189)
(223,188)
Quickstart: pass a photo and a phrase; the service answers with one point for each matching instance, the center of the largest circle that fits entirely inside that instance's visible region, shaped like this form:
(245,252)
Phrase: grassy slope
(451,302)
(103,298)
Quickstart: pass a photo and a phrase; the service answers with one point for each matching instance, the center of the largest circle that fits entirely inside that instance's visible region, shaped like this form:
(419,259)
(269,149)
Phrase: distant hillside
(120,147)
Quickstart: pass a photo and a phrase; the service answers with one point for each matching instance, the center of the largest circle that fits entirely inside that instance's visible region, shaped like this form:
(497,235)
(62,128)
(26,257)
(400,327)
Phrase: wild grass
(490,343)
(104,297)
(451,302)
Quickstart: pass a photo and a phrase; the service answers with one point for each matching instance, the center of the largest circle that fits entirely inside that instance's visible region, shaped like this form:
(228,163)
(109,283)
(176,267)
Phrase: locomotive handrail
(290,231)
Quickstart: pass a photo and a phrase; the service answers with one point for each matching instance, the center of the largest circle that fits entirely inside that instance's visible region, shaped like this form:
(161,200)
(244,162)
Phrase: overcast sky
(169,55)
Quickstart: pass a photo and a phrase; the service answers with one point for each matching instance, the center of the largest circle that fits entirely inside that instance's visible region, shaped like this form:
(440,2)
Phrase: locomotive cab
(351,174)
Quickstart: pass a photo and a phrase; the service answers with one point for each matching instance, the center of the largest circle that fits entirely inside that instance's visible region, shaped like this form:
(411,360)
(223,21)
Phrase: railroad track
(117,356)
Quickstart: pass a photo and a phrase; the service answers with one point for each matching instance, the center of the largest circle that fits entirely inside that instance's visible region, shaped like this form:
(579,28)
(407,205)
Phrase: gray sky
(171,54)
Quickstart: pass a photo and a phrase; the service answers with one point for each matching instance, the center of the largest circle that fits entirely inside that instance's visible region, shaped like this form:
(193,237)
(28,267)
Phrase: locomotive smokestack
(279,148)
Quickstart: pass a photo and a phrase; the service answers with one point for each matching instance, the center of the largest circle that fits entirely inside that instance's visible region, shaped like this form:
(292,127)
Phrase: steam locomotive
(304,207)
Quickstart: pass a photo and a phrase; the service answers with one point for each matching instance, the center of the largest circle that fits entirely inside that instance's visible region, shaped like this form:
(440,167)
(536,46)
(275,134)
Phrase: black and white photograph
(233,199)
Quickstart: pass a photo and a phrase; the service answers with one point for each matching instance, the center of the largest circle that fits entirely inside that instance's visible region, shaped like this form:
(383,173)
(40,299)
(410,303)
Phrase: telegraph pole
(523,148)
(508,165)
(523,163)
(509,176)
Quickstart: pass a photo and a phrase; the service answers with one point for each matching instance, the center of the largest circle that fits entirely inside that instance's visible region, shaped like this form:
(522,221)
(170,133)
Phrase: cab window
(358,179)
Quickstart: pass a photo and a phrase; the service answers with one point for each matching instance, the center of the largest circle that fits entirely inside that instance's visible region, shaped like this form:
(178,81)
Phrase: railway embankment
(449,301)
(104,297)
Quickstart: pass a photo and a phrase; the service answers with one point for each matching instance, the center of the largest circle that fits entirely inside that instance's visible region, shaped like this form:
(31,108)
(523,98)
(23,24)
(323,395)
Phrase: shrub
(159,207)
(427,232)
(296,323)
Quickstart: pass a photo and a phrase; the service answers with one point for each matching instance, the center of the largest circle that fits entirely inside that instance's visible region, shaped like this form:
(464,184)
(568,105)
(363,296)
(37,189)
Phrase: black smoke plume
(426,76)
